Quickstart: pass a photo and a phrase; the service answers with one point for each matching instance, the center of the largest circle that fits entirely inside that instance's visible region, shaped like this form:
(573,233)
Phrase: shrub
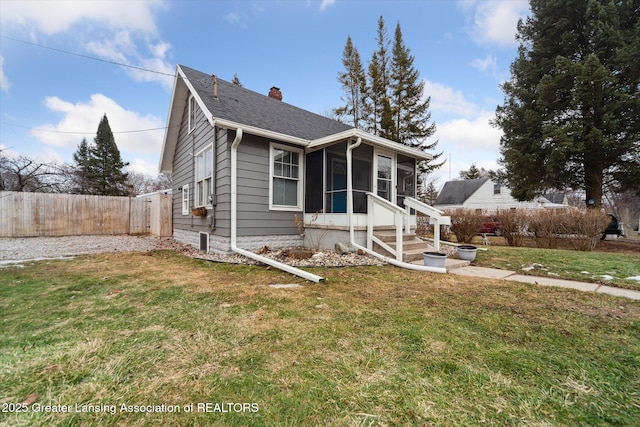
(587,227)
(513,225)
(547,227)
(583,227)
(466,223)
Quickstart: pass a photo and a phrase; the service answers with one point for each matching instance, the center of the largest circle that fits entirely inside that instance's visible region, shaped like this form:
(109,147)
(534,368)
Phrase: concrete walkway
(493,273)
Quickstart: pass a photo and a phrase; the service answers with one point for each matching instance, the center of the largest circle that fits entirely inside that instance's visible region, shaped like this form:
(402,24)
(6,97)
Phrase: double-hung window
(285,192)
(185,199)
(204,176)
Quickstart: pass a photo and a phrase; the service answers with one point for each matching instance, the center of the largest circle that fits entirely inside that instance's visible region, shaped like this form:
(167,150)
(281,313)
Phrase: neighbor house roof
(557,197)
(457,192)
(231,105)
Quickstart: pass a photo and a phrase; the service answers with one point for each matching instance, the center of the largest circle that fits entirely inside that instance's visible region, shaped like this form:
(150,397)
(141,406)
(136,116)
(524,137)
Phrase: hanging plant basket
(201,211)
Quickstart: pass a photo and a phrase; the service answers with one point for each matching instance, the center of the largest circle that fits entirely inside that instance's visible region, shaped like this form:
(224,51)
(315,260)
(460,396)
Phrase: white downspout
(234,221)
(350,147)
(388,260)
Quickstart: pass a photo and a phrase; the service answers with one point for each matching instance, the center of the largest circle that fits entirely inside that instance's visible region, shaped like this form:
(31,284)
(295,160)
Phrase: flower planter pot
(202,211)
(434,259)
(467,252)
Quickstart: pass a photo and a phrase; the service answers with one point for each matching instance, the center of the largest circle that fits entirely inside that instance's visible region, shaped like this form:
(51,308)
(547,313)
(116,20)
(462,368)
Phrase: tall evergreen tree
(379,117)
(101,163)
(354,85)
(81,160)
(410,109)
(571,115)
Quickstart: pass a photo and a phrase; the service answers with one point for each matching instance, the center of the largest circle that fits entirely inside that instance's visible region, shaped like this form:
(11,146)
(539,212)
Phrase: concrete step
(411,250)
(390,236)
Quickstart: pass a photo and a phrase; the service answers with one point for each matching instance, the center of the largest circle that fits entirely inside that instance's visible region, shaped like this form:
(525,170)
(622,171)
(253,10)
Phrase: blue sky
(50,100)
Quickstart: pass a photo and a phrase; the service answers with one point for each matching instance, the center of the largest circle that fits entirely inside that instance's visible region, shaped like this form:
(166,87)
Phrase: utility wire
(88,56)
(120,64)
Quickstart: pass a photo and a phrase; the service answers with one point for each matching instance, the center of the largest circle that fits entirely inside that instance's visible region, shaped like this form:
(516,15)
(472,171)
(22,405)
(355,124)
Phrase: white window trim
(272,147)
(207,203)
(185,206)
(393,194)
(191,106)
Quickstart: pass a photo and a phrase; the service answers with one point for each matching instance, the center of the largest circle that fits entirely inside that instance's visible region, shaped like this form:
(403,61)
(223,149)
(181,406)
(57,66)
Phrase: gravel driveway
(52,247)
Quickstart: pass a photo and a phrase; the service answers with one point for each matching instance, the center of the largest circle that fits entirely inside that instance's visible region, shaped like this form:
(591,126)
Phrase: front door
(384,185)
(406,179)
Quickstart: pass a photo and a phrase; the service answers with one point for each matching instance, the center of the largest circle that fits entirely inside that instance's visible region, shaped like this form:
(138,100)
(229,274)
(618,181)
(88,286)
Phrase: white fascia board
(171,131)
(281,137)
(371,139)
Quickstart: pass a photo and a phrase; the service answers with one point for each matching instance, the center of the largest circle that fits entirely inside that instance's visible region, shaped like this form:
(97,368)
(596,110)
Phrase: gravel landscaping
(30,248)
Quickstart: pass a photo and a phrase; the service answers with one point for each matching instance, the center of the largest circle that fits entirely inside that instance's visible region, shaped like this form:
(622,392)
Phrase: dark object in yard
(614,228)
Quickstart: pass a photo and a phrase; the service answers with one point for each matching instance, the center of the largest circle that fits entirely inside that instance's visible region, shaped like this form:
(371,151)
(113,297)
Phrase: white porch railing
(401,221)
(436,217)
(373,201)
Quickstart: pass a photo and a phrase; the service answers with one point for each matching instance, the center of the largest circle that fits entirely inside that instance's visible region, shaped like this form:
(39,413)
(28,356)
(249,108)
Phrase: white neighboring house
(485,194)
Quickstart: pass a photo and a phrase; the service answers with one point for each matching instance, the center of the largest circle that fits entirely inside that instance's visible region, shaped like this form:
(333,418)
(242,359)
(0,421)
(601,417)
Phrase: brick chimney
(275,93)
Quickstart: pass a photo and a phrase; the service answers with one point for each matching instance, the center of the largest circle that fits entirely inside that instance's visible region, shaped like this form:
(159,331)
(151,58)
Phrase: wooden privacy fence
(52,214)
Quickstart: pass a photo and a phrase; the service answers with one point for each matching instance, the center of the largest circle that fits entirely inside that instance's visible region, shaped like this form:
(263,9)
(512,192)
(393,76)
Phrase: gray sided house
(245,165)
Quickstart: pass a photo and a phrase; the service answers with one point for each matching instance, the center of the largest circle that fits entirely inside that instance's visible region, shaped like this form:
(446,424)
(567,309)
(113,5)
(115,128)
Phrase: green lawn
(599,267)
(371,346)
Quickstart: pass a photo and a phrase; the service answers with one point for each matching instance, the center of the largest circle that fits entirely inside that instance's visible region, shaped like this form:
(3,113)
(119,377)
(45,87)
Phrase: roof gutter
(234,219)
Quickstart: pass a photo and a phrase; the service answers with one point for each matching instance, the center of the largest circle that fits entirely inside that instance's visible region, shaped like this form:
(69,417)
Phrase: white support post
(398,221)
(436,235)
(369,223)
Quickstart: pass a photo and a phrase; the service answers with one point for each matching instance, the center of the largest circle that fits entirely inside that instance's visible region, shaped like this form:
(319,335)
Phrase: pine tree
(473,173)
(411,113)
(354,85)
(103,169)
(379,117)
(81,160)
(571,115)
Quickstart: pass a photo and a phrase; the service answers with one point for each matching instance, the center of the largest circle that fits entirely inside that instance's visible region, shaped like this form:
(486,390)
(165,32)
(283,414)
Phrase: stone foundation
(222,245)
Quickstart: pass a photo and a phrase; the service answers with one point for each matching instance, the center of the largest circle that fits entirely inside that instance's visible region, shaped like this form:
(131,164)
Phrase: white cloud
(232,18)
(326,3)
(446,100)
(82,120)
(123,32)
(489,63)
(144,166)
(122,49)
(53,17)
(495,22)
(4,81)
(476,134)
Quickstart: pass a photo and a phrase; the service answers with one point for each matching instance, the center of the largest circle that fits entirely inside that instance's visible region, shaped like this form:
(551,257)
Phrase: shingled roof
(240,105)
(457,192)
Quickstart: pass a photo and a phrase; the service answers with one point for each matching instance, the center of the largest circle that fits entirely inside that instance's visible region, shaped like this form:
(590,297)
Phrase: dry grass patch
(371,346)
